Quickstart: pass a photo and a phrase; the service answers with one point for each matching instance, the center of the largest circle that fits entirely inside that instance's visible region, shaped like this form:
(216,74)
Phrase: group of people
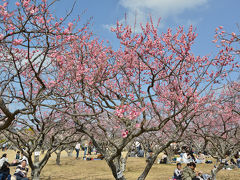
(88,149)
(21,167)
(137,150)
(187,157)
(189,173)
(231,163)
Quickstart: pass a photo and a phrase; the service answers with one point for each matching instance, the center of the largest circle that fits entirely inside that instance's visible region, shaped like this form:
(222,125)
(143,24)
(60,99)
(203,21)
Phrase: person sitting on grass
(237,160)
(21,171)
(149,155)
(140,153)
(178,172)
(100,156)
(163,159)
(200,158)
(188,172)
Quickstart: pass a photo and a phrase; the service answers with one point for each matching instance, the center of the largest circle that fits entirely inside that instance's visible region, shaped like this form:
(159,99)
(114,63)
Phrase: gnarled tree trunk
(148,167)
(115,166)
(58,157)
(216,170)
(123,161)
(35,175)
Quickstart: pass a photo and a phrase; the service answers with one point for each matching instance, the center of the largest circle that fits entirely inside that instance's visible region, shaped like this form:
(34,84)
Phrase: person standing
(85,149)
(77,148)
(4,147)
(18,156)
(4,167)
(90,148)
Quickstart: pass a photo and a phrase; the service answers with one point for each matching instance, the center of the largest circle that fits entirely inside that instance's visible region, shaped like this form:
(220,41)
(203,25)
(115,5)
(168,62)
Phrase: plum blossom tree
(152,79)
(150,82)
(46,129)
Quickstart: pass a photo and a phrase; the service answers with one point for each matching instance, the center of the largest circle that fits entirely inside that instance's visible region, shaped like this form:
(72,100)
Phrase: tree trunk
(58,157)
(42,151)
(148,167)
(69,152)
(123,164)
(36,158)
(216,170)
(116,170)
(35,175)
(170,153)
(123,161)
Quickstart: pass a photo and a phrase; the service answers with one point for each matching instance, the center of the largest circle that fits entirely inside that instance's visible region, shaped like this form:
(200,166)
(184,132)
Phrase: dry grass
(73,169)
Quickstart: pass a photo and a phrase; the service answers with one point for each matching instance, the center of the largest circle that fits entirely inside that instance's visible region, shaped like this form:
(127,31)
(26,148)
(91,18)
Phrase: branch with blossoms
(29,37)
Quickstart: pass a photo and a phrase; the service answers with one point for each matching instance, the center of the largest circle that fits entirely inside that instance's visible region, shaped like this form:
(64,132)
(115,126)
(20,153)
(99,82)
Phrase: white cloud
(138,11)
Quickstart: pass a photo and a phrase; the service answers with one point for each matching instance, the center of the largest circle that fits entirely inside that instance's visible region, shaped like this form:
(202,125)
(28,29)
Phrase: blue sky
(205,15)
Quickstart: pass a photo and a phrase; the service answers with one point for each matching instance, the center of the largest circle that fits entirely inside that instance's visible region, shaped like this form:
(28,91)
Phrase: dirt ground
(72,169)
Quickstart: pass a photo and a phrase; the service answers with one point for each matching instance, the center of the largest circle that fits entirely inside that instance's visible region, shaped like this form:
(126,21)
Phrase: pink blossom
(26,3)
(138,125)
(51,82)
(70,24)
(1,36)
(214,41)
(17,4)
(17,42)
(124,133)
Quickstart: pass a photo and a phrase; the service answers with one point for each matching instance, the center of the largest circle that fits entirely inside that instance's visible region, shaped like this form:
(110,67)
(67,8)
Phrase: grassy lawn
(73,169)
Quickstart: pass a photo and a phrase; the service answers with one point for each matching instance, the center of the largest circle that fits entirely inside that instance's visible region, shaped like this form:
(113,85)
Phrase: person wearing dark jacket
(178,172)
(4,168)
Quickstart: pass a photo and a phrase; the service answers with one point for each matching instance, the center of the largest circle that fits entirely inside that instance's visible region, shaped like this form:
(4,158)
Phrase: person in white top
(3,159)
(77,148)
(23,158)
(4,167)
(201,158)
(185,158)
